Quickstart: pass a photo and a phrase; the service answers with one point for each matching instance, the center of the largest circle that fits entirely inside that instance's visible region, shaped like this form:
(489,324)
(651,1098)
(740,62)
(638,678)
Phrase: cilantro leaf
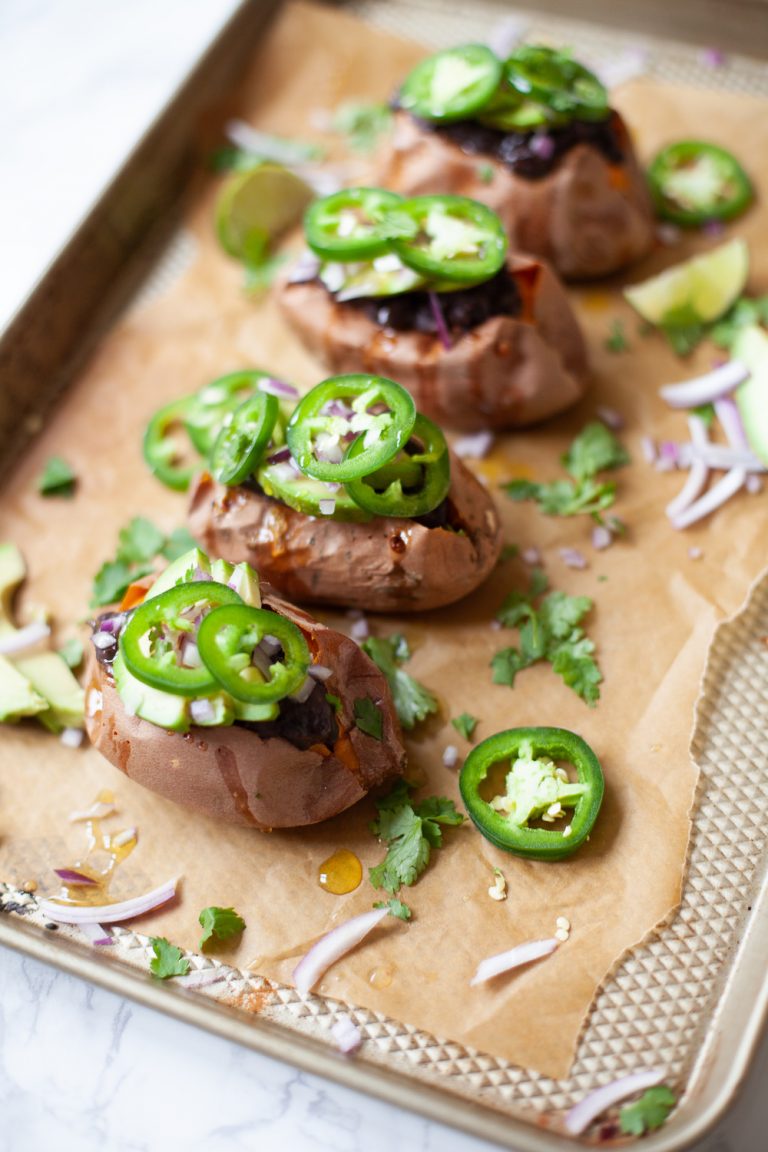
(616,340)
(551,631)
(362,123)
(465,724)
(485,173)
(396,908)
(594,450)
(72,652)
(683,329)
(410,833)
(647,1113)
(168,959)
(219,924)
(180,541)
(231,159)
(334,701)
(369,717)
(57,478)
(112,579)
(139,542)
(411,699)
(744,312)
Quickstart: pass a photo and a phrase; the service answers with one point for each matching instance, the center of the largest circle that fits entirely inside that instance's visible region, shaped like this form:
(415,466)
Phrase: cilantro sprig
(616,340)
(395,907)
(465,724)
(684,331)
(413,702)
(57,478)
(410,832)
(369,717)
(594,450)
(362,124)
(139,543)
(549,627)
(219,924)
(168,960)
(647,1113)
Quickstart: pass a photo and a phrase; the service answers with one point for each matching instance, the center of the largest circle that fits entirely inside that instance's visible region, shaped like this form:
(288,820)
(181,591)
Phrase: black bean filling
(313,722)
(521,152)
(463,310)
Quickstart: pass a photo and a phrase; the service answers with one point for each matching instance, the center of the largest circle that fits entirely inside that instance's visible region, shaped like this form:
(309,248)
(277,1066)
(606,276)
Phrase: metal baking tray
(694,993)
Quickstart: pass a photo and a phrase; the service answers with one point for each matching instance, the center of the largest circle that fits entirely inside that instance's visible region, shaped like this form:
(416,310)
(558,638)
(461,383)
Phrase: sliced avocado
(160,708)
(12,572)
(221,571)
(49,675)
(17,696)
(256,712)
(178,571)
(245,581)
(751,347)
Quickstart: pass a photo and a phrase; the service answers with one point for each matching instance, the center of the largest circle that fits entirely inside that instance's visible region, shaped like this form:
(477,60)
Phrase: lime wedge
(700,289)
(751,348)
(255,207)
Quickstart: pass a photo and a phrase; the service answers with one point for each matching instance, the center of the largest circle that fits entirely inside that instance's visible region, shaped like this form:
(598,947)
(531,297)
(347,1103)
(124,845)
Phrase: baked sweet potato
(507,372)
(233,773)
(588,217)
(384,565)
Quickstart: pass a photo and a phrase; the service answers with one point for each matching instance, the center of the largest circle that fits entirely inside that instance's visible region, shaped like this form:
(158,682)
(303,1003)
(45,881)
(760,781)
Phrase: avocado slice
(245,581)
(49,675)
(751,347)
(17,696)
(160,708)
(178,571)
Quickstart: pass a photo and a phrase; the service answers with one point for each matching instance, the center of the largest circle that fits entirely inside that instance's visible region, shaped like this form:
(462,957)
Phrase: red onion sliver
(610,417)
(98,811)
(579,1118)
(73,877)
(360,629)
(531,557)
(754,485)
(279,388)
(727,412)
(714,498)
(96,934)
(602,537)
(704,389)
(475,447)
(270,645)
(648,448)
(542,146)
(347,1035)
(109,913)
(572,558)
(320,672)
(333,946)
(697,477)
(514,958)
(22,638)
(440,324)
(450,756)
(280,457)
(721,457)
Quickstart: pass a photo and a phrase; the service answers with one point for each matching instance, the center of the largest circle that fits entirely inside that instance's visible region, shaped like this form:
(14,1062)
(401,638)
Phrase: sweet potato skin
(232,774)
(505,373)
(587,217)
(384,565)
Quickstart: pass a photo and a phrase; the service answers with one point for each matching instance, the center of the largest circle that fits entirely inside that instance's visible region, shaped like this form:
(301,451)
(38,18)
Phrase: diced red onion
(327,507)
(98,811)
(75,878)
(542,145)
(450,756)
(202,712)
(721,457)
(197,575)
(713,57)
(96,934)
(109,913)
(713,228)
(475,447)
(610,417)
(270,645)
(360,630)
(753,484)
(572,558)
(261,660)
(199,978)
(305,269)
(579,1118)
(333,946)
(707,388)
(338,408)
(668,456)
(717,495)
(727,412)
(668,234)
(279,388)
(695,553)
(302,694)
(602,537)
(282,456)
(531,557)
(72,737)
(102,640)
(648,448)
(190,656)
(347,1035)
(505,34)
(124,837)
(109,625)
(320,672)
(23,638)
(284,472)
(514,958)
(440,324)
(328,447)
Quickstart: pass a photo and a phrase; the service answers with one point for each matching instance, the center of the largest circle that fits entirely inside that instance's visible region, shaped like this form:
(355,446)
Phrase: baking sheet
(206,327)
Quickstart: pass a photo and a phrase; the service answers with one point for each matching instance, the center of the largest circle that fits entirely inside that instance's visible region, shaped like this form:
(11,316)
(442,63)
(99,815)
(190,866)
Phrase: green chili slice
(457,239)
(229,641)
(347,225)
(337,410)
(452,85)
(534,787)
(242,441)
(158,642)
(212,404)
(556,81)
(284,482)
(415,482)
(162,449)
(693,182)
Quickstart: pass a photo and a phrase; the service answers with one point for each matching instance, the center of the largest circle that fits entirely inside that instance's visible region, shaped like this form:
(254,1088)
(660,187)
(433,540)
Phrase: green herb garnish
(745,312)
(411,699)
(180,541)
(549,629)
(396,908)
(410,832)
(57,478)
(139,543)
(647,1113)
(362,124)
(465,724)
(219,924)
(369,717)
(168,959)
(616,340)
(485,173)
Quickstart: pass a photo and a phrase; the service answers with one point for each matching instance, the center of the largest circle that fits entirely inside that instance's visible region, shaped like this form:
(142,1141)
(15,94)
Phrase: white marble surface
(80,1068)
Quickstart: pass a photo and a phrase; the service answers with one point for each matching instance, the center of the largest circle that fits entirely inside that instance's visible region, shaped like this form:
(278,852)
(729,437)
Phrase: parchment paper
(655,611)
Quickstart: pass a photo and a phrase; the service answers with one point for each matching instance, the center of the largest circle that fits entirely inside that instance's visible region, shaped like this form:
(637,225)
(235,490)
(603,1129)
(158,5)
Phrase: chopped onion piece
(75,878)
(514,958)
(270,645)
(704,389)
(531,557)
(579,1118)
(668,234)
(278,388)
(713,57)
(347,1035)
(474,447)
(327,507)
(717,495)
(103,639)
(440,324)
(96,934)
(333,946)
(695,553)
(388,263)
(109,913)
(754,485)
(202,712)
(572,558)
(199,978)
(23,638)
(727,412)
(190,657)
(320,672)
(260,660)
(282,456)
(648,448)
(284,472)
(72,737)
(98,811)
(610,417)
(602,537)
(542,145)
(360,629)
(304,270)
(267,147)
(450,756)
(302,694)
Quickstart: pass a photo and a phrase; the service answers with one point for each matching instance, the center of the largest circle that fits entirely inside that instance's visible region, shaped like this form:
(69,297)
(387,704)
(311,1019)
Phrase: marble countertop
(83,1068)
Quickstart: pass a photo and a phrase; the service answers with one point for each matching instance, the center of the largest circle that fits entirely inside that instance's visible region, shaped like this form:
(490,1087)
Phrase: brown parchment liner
(656,609)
